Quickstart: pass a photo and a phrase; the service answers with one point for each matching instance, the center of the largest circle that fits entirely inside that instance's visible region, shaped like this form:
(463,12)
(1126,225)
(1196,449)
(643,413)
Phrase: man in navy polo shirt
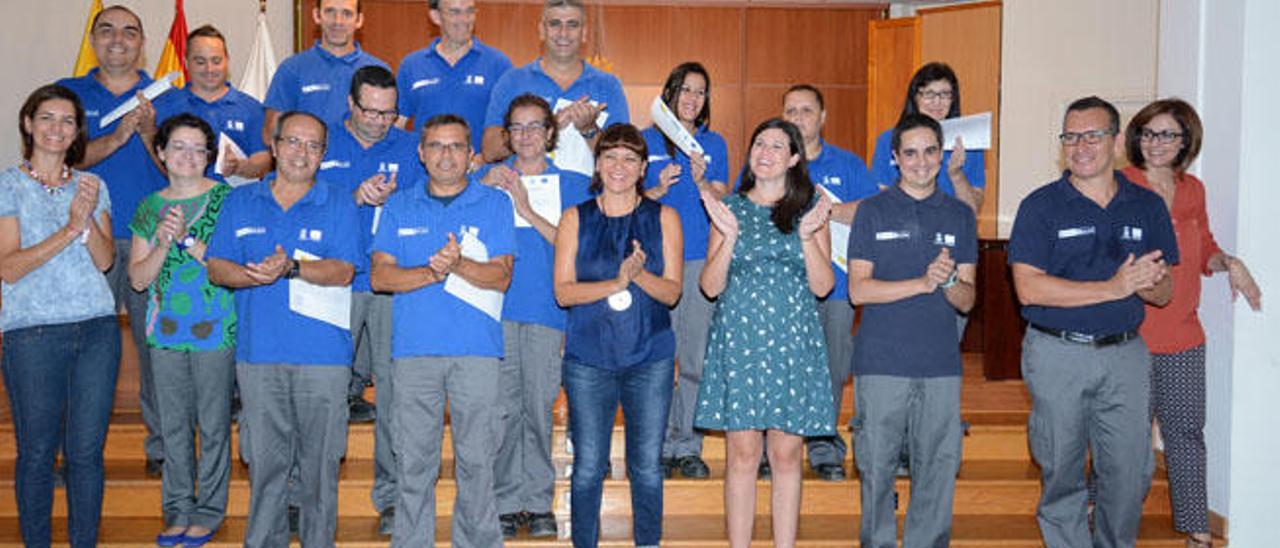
(844,176)
(284,235)
(1087,251)
(455,74)
(578,92)
(316,80)
(365,159)
(445,248)
(912,253)
(227,110)
(119,155)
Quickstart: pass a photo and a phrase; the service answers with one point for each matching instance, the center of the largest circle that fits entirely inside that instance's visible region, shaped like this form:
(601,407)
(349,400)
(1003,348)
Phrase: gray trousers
(837,326)
(423,384)
(922,414)
(1089,400)
(529,382)
(194,393)
(691,322)
(371,333)
(135,305)
(293,414)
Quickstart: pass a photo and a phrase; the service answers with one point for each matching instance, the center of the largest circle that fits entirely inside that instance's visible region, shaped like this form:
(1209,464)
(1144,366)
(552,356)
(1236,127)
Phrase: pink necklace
(52,188)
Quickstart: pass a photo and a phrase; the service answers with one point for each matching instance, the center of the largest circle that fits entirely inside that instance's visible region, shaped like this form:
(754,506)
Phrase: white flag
(262,63)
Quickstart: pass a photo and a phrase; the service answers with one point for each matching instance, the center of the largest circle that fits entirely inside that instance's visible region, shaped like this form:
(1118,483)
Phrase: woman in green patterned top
(190,331)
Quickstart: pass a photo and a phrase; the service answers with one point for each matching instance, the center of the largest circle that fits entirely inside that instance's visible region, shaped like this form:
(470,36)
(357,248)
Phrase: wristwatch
(186,242)
(950,281)
(295,269)
(590,132)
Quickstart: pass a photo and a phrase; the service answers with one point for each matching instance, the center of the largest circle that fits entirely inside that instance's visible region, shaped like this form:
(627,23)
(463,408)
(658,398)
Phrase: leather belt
(1097,341)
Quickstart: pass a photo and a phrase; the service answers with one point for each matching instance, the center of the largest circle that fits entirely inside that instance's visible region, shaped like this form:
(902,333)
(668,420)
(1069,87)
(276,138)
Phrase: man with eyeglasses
(445,248)
(455,74)
(584,98)
(313,80)
(285,244)
(365,158)
(1087,251)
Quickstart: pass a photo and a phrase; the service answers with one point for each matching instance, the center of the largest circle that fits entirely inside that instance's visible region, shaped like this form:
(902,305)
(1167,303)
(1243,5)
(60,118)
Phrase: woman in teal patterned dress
(190,331)
(768,257)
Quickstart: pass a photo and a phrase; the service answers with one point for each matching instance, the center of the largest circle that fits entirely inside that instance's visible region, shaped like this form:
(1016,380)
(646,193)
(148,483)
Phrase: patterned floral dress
(766,364)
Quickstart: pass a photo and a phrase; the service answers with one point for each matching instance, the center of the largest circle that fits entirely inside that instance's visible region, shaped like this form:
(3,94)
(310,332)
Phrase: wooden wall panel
(892,57)
(788,45)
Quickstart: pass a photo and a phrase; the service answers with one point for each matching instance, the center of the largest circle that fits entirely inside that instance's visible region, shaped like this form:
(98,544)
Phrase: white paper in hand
(839,236)
(544,198)
(670,126)
(485,300)
(974,130)
(153,90)
(225,144)
(572,152)
(329,304)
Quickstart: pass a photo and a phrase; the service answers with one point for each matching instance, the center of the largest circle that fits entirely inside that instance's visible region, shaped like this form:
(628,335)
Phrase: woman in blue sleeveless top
(618,262)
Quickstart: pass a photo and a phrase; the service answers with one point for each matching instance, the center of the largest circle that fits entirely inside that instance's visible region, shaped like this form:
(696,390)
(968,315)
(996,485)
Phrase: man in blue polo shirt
(445,247)
(365,158)
(316,80)
(227,110)
(912,256)
(1087,251)
(578,92)
(285,235)
(455,74)
(844,176)
(119,155)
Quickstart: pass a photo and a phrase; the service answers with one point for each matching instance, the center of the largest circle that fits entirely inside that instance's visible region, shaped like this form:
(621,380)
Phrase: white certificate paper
(329,304)
(544,198)
(839,236)
(974,129)
(572,152)
(671,127)
(224,143)
(486,300)
(153,90)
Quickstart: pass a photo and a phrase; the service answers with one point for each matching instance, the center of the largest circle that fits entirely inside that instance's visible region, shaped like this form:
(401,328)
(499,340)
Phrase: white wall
(41,39)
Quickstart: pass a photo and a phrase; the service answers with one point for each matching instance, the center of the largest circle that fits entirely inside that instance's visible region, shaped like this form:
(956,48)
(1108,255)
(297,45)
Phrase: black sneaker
(830,472)
(668,467)
(361,411)
(542,525)
(387,521)
(764,472)
(155,468)
(510,525)
(294,518)
(693,467)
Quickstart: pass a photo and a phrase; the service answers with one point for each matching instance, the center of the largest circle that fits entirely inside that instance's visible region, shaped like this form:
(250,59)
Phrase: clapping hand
(375,190)
(956,164)
(446,258)
(721,218)
(815,218)
(270,268)
(1141,273)
(633,265)
(170,226)
(83,204)
(939,270)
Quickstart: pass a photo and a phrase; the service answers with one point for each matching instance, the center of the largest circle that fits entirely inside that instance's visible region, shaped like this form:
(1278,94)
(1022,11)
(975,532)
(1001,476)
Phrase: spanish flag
(86,60)
(174,55)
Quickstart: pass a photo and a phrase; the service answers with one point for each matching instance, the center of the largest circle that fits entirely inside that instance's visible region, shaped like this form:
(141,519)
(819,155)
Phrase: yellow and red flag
(86,60)
(174,55)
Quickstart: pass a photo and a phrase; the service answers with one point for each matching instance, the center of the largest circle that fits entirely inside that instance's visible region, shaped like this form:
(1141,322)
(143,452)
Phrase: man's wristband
(295,270)
(953,280)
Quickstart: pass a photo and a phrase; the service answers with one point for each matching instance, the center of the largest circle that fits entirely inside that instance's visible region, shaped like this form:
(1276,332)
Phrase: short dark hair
(275,134)
(620,136)
(533,101)
(786,213)
(187,120)
(40,96)
(448,119)
(207,31)
(373,75)
(1184,114)
(928,74)
(913,121)
(118,7)
(359,8)
(822,103)
(1092,102)
(562,4)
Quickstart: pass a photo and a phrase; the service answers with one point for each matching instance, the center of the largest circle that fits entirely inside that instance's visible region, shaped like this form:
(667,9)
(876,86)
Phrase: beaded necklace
(53,189)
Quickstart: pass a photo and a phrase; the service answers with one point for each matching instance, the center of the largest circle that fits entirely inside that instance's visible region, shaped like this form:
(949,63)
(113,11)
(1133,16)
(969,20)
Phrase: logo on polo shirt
(475,79)
(948,240)
(310,234)
(831,180)
(658,158)
(886,235)
(388,167)
(411,231)
(1131,233)
(1075,232)
(92,114)
(330,164)
(312,88)
(250,230)
(235,125)
(426,82)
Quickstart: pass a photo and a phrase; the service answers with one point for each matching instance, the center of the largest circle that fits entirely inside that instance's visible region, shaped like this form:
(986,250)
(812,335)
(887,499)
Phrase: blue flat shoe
(175,539)
(196,542)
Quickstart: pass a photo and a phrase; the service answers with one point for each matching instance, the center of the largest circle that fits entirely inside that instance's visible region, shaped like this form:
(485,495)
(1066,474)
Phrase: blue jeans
(594,394)
(61,380)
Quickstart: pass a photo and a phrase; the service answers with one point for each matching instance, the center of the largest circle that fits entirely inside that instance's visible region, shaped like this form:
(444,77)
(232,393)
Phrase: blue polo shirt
(429,85)
(317,82)
(683,196)
(236,114)
(884,169)
(900,236)
(347,164)
(429,321)
(1067,235)
(322,223)
(594,83)
(129,171)
(846,176)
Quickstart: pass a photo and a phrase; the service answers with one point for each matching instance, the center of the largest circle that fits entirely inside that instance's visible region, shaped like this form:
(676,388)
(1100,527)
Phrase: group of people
(400,234)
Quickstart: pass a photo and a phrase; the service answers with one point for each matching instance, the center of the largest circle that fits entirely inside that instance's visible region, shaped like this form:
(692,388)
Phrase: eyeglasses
(1091,137)
(447,148)
(1162,137)
(294,143)
(384,115)
(532,127)
(930,95)
(699,93)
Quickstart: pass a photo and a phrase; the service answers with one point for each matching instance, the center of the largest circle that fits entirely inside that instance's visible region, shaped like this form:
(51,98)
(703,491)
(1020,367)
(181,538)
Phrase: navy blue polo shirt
(347,164)
(129,172)
(600,86)
(236,114)
(846,176)
(885,170)
(429,321)
(683,196)
(429,85)
(317,82)
(900,236)
(322,223)
(1067,235)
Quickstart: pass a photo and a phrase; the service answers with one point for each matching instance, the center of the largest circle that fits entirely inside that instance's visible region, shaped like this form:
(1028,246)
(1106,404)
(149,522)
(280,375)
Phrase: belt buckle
(1079,338)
